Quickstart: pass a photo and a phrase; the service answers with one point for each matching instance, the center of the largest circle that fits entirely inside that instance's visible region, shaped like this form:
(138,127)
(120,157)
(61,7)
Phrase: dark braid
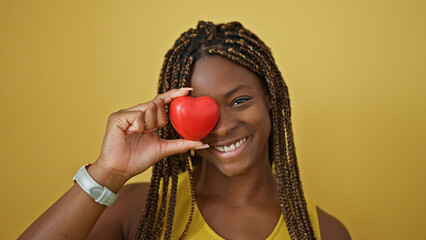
(232,41)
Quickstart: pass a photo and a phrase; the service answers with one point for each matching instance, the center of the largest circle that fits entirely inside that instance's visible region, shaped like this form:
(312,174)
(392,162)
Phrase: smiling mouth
(230,147)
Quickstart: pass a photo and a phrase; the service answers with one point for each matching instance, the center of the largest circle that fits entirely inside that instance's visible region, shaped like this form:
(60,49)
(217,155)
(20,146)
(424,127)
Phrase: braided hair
(232,41)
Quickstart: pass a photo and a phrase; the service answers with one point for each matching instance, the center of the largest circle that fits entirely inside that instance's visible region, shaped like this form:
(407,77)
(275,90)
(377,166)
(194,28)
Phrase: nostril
(223,127)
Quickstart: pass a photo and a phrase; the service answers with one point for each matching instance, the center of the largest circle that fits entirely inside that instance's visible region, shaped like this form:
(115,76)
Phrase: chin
(233,169)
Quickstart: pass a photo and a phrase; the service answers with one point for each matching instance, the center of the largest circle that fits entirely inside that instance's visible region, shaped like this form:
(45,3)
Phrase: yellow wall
(355,70)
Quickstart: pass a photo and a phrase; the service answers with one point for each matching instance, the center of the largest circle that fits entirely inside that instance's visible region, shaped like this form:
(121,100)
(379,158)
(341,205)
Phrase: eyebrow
(239,87)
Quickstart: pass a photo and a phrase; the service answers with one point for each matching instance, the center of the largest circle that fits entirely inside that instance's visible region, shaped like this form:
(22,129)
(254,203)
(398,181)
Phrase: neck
(255,186)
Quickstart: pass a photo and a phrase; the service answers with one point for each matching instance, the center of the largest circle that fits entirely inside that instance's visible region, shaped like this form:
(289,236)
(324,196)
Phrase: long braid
(191,181)
(183,75)
(159,220)
(172,201)
(238,44)
(148,221)
(169,79)
(148,218)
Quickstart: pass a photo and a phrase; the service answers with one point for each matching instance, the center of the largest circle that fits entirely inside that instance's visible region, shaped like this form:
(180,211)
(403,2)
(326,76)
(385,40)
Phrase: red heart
(194,118)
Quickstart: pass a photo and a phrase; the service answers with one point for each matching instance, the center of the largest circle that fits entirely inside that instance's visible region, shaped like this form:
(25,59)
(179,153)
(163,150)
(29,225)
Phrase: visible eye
(240,100)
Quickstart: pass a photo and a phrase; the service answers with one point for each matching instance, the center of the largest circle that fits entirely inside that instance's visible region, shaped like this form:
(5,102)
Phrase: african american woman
(241,181)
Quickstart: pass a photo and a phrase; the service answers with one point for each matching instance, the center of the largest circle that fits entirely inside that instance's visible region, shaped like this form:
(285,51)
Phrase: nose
(225,124)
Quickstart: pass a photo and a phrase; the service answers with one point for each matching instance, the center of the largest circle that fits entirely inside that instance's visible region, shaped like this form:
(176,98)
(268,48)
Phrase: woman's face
(239,141)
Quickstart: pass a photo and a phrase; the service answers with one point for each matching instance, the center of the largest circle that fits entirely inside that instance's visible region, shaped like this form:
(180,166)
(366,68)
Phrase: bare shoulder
(330,227)
(132,203)
(132,192)
(120,221)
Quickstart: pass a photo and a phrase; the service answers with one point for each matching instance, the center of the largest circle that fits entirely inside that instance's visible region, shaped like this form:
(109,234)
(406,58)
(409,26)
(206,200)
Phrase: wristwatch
(101,194)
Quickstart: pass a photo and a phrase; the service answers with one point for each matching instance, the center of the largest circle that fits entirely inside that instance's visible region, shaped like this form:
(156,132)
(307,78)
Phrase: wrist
(107,177)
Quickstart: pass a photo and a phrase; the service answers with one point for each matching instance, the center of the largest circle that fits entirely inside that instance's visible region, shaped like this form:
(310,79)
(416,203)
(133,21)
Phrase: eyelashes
(240,100)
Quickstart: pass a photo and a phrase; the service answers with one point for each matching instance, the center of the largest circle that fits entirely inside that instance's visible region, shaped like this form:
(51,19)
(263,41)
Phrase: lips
(230,150)
(232,146)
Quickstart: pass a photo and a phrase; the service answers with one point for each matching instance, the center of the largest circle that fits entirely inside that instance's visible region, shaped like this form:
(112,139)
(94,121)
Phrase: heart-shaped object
(194,118)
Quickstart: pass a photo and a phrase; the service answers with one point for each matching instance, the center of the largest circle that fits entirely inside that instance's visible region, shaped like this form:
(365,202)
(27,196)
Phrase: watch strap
(100,194)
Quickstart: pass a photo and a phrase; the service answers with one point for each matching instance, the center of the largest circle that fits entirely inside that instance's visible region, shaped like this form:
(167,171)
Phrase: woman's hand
(131,144)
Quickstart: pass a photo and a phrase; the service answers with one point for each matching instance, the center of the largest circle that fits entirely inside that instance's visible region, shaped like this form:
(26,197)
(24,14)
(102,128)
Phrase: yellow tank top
(199,229)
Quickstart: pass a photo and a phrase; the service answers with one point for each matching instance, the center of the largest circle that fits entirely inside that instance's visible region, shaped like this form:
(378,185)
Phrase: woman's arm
(121,220)
(130,146)
(75,213)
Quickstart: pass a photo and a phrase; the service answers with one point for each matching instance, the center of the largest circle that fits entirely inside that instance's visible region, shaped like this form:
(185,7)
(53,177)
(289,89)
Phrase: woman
(245,181)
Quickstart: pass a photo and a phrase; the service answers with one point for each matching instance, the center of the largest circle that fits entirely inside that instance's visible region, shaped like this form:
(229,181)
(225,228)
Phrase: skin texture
(237,196)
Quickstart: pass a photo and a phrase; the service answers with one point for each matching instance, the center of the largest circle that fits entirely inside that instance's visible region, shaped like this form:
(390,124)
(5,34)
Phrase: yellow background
(355,70)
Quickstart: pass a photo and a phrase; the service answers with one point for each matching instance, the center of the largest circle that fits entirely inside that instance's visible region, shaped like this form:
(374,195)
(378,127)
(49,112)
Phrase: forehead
(218,75)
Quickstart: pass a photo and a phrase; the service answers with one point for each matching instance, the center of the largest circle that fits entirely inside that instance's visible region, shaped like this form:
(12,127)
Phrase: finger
(138,125)
(150,116)
(161,113)
(128,121)
(167,97)
(204,146)
(163,99)
(176,146)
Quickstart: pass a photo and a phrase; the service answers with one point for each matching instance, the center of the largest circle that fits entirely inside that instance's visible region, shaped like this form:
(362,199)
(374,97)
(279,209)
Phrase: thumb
(176,146)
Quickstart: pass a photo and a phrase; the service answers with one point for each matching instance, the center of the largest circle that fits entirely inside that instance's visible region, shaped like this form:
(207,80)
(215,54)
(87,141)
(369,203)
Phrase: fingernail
(186,89)
(203,147)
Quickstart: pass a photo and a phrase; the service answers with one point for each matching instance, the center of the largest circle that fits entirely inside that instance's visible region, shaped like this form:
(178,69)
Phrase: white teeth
(230,147)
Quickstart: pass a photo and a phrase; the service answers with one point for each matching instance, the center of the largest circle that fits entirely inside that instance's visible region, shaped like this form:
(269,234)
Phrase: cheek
(265,127)
(260,121)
